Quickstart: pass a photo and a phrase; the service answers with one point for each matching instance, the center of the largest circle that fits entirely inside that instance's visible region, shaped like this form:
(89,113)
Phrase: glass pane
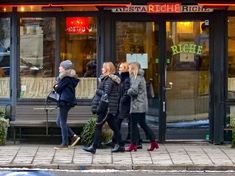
(37,56)
(231,57)
(78,43)
(137,41)
(188,70)
(4,57)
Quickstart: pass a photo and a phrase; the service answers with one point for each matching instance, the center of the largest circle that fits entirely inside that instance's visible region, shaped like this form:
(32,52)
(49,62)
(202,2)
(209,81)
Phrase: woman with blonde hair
(108,90)
(138,108)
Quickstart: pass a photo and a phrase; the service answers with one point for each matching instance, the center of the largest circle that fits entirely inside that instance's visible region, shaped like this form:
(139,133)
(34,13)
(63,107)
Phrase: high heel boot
(153,145)
(131,147)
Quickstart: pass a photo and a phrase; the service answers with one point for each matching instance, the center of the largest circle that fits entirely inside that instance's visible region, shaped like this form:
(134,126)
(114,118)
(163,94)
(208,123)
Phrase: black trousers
(119,123)
(111,120)
(139,118)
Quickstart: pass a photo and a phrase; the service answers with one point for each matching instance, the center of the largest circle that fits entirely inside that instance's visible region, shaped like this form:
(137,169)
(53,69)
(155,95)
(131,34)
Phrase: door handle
(169,87)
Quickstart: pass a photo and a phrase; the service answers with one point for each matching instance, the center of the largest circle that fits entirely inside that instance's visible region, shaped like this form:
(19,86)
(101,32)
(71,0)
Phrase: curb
(121,167)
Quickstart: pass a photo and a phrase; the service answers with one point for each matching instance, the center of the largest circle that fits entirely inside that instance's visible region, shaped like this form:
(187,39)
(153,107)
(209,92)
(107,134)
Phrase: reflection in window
(4,57)
(137,41)
(231,57)
(78,43)
(37,56)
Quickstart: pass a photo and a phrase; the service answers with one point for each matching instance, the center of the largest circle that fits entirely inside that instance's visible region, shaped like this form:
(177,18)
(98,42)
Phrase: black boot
(90,149)
(118,148)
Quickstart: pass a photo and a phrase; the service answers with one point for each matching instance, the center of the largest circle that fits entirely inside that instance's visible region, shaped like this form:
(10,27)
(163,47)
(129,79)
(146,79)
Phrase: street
(112,173)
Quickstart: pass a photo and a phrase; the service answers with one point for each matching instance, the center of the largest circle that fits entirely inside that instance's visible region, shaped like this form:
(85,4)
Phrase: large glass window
(4,57)
(37,56)
(231,57)
(78,43)
(137,41)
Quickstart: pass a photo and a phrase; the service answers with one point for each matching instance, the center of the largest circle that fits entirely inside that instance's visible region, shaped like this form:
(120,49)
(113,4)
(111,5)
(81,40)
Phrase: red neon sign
(77,25)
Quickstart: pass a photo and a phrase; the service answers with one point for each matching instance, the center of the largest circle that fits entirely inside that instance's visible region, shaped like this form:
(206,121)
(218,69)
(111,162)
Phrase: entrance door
(187,80)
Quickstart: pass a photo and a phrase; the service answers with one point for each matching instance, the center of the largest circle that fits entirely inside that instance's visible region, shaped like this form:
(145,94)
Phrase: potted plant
(232,124)
(89,130)
(4,123)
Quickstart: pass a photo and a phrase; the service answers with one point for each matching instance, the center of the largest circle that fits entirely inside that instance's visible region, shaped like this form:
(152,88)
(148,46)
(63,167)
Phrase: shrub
(232,124)
(89,130)
(4,123)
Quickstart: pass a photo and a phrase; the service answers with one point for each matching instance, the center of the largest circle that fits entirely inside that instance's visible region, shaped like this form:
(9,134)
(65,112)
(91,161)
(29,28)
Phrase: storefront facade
(186,51)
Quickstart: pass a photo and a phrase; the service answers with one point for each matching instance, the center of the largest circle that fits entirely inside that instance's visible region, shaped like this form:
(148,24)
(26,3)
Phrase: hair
(204,26)
(134,68)
(110,67)
(125,66)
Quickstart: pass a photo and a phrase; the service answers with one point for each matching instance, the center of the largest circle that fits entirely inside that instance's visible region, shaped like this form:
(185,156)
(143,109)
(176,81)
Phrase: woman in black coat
(124,102)
(108,89)
(65,87)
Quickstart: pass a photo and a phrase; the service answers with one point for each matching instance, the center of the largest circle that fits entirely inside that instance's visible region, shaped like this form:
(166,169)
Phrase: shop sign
(162,8)
(77,25)
(190,48)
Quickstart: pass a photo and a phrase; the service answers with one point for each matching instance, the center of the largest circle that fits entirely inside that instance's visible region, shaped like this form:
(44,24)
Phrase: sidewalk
(170,156)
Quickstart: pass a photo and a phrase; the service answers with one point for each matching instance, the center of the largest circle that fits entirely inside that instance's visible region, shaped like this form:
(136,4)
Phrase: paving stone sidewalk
(170,156)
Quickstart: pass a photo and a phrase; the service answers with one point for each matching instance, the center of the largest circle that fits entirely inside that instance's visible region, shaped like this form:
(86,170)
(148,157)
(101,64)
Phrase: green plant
(89,130)
(4,123)
(232,124)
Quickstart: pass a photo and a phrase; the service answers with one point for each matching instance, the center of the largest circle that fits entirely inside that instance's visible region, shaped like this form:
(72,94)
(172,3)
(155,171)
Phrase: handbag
(103,104)
(53,96)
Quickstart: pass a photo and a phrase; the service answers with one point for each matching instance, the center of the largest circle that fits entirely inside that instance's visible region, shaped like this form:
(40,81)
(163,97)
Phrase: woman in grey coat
(139,106)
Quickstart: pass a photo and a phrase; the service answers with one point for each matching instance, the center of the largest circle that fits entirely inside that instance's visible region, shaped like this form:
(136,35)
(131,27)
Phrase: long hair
(125,66)
(110,67)
(134,68)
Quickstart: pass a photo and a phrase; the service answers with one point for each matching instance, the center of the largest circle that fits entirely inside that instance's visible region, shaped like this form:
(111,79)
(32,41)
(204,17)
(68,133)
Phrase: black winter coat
(109,85)
(125,100)
(65,87)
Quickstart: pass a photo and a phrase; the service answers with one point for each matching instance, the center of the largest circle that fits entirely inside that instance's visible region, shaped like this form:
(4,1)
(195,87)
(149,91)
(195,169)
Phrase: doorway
(187,80)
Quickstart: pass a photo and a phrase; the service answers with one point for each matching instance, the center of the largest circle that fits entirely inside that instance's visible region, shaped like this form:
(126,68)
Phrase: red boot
(131,147)
(153,145)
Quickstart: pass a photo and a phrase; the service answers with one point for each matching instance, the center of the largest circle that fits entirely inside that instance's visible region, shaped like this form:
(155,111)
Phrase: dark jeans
(111,120)
(139,118)
(61,122)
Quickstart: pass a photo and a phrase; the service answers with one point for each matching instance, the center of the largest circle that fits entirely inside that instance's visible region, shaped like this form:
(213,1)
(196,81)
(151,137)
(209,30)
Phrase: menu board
(141,58)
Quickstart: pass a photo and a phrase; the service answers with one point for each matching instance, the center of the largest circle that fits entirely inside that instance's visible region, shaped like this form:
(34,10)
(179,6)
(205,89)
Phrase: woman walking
(139,105)
(65,87)
(108,89)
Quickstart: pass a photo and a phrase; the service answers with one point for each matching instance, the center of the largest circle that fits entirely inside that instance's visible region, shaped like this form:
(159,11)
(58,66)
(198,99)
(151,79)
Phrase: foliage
(232,124)
(89,130)
(4,123)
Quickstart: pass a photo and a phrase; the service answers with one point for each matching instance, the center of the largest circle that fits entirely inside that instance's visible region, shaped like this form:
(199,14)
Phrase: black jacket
(108,85)
(125,100)
(65,87)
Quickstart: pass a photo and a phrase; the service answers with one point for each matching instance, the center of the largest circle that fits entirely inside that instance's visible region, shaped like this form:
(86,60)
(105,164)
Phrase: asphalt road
(114,173)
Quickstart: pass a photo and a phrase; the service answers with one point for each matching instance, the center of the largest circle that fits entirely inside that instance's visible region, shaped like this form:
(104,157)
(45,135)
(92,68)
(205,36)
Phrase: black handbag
(53,96)
(103,104)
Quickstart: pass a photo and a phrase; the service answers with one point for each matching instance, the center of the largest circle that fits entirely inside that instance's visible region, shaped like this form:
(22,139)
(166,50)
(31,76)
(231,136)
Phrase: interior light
(22,9)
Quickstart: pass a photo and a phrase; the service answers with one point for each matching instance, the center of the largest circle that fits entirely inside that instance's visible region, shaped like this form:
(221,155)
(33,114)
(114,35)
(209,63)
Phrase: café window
(231,57)
(4,57)
(78,43)
(37,57)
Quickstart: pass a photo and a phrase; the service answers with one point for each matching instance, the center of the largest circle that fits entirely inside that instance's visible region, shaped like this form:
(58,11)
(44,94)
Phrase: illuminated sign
(186,48)
(162,8)
(77,25)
